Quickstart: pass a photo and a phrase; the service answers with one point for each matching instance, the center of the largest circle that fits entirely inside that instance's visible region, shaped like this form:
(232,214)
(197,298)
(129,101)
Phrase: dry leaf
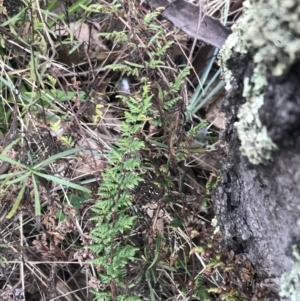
(215,116)
(83,33)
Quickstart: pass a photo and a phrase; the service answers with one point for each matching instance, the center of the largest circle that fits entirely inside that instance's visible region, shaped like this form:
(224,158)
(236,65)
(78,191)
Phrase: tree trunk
(258,205)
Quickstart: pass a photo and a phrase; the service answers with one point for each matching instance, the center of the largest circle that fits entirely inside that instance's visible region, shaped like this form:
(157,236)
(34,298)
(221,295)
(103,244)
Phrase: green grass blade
(62,182)
(11,145)
(8,84)
(17,202)
(226,11)
(3,184)
(12,161)
(148,278)
(158,143)
(72,9)
(159,240)
(209,65)
(37,201)
(199,91)
(207,87)
(14,19)
(51,5)
(19,179)
(220,85)
(166,267)
(55,157)
(77,5)
(11,175)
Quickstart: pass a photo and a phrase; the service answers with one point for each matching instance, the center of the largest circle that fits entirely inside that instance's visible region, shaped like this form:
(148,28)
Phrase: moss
(290,282)
(269,32)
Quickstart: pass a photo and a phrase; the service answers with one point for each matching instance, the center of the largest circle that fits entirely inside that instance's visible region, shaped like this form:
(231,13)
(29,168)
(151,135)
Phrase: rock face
(258,206)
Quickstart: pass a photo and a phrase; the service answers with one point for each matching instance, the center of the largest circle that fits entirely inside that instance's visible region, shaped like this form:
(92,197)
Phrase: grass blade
(19,179)
(10,175)
(55,157)
(37,202)
(13,162)
(62,182)
(17,202)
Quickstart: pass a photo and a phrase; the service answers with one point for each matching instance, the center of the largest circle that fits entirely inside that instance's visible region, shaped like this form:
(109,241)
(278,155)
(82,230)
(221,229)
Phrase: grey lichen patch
(290,282)
(269,31)
(255,142)
(232,44)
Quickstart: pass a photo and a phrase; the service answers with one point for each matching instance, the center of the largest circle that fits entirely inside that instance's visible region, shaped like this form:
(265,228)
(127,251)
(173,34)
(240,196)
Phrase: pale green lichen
(255,142)
(226,52)
(290,282)
(269,31)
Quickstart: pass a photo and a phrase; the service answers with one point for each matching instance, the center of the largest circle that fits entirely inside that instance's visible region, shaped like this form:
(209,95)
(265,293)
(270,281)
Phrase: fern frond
(113,212)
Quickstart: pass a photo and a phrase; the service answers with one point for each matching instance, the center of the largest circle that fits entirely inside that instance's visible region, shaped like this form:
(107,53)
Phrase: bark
(192,20)
(258,206)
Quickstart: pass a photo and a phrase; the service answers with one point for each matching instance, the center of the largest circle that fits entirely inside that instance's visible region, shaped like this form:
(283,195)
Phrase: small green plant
(34,174)
(201,289)
(112,214)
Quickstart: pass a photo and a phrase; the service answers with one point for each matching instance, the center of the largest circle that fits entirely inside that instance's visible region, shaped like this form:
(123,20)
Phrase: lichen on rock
(269,32)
